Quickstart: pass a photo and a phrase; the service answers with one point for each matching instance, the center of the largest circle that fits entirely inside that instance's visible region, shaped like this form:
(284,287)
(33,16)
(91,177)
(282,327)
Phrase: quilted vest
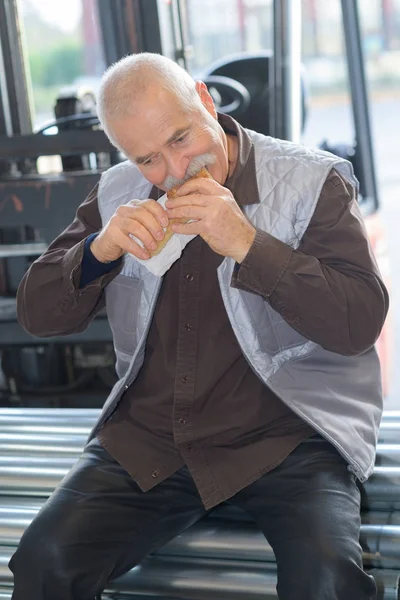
(340,396)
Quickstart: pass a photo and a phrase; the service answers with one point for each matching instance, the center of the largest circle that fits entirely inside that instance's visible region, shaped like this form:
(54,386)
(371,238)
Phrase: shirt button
(189,447)
(155,474)
(189,277)
(184,378)
(182,421)
(126,387)
(188,327)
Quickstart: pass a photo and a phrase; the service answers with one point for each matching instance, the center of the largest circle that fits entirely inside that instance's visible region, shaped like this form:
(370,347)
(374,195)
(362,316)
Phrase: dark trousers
(98,524)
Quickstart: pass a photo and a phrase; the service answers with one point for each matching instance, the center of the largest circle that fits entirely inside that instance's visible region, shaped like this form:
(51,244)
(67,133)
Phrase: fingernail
(160,235)
(164,221)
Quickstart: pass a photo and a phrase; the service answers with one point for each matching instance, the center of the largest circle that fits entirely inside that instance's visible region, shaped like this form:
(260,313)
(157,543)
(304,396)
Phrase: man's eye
(180,139)
(150,161)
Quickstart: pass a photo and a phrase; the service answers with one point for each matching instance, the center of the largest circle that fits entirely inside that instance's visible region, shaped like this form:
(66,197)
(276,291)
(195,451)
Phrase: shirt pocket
(122,304)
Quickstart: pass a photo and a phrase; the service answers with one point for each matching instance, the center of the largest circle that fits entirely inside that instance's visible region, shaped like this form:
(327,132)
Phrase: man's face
(170,142)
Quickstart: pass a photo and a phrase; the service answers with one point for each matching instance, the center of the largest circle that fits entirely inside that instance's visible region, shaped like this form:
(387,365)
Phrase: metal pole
(5,112)
(13,70)
(286,112)
(181,57)
(150,26)
(129,27)
(275,75)
(359,97)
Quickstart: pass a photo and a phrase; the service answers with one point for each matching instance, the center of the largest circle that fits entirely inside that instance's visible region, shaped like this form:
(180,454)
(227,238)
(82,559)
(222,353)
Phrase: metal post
(359,98)
(129,27)
(180,52)
(5,113)
(13,80)
(149,25)
(286,89)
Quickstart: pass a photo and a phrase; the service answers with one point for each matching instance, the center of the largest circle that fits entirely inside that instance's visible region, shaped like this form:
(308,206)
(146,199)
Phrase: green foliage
(59,65)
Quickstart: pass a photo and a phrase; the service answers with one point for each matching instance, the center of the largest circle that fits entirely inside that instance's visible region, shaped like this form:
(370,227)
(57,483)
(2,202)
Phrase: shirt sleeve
(330,288)
(49,299)
(91,268)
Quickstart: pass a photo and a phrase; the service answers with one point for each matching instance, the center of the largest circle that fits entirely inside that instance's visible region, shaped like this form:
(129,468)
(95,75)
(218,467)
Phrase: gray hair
(126,80)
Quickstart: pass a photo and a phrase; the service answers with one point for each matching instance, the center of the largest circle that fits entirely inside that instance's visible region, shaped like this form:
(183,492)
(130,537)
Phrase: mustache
(198,163)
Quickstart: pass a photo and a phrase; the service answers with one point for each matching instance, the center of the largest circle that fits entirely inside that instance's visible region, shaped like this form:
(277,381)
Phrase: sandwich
(168,233)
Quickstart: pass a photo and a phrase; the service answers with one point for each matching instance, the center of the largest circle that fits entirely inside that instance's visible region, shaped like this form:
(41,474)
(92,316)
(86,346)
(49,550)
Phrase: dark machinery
(259,90)
(34,209)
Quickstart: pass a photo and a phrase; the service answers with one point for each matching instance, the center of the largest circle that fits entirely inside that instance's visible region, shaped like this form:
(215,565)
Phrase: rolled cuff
(72,275)
(263,266)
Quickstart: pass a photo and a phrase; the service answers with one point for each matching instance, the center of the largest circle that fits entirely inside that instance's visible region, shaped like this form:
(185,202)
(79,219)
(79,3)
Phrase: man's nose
(177,166)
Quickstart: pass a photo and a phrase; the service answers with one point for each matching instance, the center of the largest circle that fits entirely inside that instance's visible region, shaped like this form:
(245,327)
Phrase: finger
(157,211)
(188,212)
(134,248)
(194,228)
(189,200)
(198,185)
(128,245)
(140,231)
(150,206)
(145,218)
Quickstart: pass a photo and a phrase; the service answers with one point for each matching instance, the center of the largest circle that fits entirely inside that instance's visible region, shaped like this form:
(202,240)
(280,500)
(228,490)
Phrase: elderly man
(247,373)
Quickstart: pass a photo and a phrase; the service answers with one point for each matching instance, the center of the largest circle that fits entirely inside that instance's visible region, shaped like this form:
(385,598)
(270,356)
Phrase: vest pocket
(122,304)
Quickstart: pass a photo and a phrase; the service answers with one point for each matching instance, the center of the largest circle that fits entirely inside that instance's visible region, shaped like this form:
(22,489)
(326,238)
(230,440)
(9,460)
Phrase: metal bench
(222,556)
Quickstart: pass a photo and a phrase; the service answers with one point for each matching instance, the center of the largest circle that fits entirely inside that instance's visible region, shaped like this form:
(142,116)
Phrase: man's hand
(218,218)
(143,219)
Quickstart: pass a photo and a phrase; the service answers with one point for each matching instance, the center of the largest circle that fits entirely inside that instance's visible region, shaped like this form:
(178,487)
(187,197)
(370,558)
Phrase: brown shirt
(196,400)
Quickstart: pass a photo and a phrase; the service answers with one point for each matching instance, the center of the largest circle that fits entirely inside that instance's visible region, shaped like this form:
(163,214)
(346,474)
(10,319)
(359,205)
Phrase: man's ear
(206,98)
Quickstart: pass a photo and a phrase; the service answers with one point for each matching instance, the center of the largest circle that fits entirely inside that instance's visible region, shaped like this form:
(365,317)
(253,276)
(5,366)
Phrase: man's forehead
(163,140)
(152,123)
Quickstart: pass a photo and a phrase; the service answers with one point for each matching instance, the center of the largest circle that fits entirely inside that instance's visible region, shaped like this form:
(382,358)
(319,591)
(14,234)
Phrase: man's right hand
(145,220)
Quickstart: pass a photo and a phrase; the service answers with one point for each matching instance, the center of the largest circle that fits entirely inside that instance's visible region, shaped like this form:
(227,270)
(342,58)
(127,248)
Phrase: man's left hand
(217,218)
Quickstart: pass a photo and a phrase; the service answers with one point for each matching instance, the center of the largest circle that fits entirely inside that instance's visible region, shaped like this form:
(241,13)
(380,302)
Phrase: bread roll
(168,233)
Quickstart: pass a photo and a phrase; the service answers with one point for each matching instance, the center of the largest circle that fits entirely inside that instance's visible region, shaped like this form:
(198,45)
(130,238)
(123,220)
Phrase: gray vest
(339,396)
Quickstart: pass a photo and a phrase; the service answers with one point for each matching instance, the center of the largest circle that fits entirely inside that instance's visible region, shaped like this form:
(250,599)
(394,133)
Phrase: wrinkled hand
(143,219)
(217,217)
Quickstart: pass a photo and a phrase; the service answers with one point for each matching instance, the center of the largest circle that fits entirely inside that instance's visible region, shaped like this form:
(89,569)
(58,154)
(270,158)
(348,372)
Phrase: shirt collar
(243,181)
